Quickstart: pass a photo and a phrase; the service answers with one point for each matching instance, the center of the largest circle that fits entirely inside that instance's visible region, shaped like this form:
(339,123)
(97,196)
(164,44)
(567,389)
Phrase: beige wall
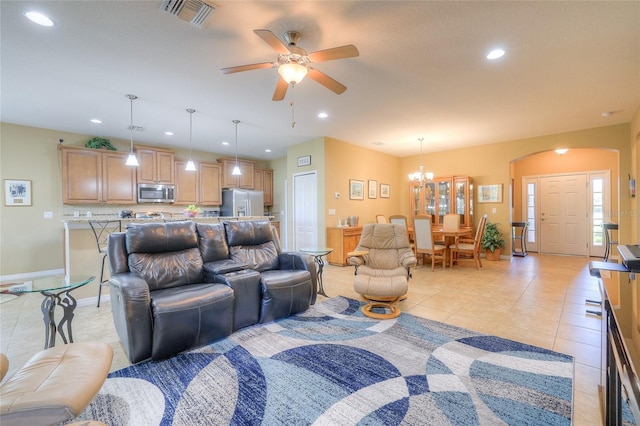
(574,161)
(30,243)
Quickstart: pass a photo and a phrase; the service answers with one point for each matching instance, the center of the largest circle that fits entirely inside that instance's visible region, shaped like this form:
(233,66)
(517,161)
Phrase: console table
(343,240)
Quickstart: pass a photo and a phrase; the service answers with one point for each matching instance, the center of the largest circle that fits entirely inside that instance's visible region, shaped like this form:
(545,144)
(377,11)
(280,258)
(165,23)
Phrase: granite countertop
(202,219)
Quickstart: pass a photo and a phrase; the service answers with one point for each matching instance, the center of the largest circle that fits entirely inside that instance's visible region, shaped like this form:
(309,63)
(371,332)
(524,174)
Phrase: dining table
(450,235)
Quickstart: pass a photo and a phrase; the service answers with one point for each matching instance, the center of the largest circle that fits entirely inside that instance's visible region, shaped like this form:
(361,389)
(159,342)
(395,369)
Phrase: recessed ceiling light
(323,115)
(562,151)
(225,143)
(39,19)
(96,121)
(267,150)
(495,54)
(168,133)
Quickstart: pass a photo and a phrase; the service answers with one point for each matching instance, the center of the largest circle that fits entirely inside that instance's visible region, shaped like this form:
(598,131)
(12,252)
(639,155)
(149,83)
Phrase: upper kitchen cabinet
(263,181)
(246,178)
(156,165)
(201,187)
(92,176)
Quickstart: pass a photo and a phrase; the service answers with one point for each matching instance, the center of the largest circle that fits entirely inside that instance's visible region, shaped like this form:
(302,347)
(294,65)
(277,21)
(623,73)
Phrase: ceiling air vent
(196,12)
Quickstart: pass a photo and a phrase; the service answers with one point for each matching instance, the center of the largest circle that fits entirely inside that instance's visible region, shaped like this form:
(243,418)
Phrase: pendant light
(190,167)
(131,159)
(236,169)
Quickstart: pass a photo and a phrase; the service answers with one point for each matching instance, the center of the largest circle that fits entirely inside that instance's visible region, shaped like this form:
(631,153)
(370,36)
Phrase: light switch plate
(332,212)
(48,215)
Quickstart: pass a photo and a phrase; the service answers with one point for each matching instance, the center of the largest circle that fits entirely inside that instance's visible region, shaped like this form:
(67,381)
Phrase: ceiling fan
(294,63)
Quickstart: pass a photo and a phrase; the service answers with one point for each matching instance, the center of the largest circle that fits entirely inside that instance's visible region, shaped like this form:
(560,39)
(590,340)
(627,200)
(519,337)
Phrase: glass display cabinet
(441,196)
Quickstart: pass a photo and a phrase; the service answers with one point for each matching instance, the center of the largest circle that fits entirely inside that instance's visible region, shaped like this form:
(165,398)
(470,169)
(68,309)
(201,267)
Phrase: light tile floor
(539,300)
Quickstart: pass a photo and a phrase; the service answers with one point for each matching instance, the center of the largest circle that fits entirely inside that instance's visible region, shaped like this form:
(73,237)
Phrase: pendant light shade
(236,169)
(190,167)
(132,160)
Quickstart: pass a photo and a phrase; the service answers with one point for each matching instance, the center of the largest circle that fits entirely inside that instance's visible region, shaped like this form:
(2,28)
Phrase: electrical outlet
(494,210)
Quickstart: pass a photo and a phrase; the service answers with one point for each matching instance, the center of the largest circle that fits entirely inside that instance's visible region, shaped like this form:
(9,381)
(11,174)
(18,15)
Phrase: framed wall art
(385,190)
(373,189)
(17,192)
(490,193)
(356,189)
(304,161)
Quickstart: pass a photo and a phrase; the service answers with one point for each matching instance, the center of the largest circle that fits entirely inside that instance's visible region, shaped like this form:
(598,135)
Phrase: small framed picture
(490,193)
(373,189)
(304,161)
(17,192)
(356,189)
(385,190)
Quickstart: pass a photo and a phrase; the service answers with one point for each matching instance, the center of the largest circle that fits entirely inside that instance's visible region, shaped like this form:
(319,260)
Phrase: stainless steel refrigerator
(242,202)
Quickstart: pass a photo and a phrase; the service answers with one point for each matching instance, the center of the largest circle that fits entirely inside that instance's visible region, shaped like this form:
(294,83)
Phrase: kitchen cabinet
(441,196)
(245,180)
(95,176)
(263,181)
(342,241)
(201,187)
(156,165)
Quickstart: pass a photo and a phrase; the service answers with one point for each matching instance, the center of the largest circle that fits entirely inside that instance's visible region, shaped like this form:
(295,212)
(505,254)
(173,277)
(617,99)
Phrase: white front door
(305,210)
(563,214)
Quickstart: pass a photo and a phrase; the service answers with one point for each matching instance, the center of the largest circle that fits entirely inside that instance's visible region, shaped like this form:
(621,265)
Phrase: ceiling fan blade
(272,41)
(231,70)
(326,81)
(342,52)
(281,90)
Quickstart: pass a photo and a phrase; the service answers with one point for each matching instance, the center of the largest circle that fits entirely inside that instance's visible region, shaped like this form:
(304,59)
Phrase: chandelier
(421,177)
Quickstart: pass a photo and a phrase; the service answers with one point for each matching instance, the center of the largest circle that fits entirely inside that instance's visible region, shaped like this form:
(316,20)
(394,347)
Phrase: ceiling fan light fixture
(292,72)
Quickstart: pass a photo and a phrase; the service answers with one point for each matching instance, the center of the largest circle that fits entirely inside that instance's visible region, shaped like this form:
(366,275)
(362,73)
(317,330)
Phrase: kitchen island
(81,254)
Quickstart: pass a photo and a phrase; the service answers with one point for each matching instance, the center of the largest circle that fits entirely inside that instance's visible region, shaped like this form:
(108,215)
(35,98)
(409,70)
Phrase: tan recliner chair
(383,260)
(55,385)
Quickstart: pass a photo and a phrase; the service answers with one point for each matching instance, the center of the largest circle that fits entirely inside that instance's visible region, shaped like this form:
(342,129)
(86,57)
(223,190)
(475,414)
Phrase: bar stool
(607,229)
(101,230)
(518,233)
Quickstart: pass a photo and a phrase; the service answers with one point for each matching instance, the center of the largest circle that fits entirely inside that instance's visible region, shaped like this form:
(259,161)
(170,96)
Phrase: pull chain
(293,109)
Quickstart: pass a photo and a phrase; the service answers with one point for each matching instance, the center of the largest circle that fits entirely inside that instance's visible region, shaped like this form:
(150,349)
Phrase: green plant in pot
(97,142)
(492,241)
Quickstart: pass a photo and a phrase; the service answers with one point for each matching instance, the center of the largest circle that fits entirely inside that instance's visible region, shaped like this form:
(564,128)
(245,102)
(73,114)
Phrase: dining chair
(380,218)
(451,221)
(101,230)
(425,244)
(402,220)
(469,248)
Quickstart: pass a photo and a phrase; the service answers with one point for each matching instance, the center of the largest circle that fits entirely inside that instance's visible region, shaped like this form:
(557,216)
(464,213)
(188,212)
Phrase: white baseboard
(31,275)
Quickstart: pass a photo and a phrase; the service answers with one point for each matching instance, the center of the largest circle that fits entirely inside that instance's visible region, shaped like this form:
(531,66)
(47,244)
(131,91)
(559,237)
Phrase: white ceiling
(421,72)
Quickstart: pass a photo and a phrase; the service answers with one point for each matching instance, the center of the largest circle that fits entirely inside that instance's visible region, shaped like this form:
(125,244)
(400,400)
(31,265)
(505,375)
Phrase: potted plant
(191,211)
(492,241)
(97,142)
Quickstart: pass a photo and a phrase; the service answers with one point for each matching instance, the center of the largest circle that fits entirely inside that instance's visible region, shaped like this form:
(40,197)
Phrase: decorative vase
(493,255)
(190,215)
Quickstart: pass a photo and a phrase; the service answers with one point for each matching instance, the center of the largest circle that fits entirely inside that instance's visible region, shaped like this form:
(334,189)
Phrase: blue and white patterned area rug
(333,366)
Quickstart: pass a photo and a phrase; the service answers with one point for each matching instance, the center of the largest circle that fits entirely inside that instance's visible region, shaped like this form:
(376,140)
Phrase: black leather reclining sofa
(180,285)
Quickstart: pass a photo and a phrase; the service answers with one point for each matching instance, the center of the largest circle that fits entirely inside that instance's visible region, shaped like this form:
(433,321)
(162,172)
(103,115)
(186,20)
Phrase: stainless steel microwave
(151,193)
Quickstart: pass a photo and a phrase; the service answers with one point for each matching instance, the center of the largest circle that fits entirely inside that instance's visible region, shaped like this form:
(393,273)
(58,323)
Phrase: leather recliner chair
(288,280)
(160,301)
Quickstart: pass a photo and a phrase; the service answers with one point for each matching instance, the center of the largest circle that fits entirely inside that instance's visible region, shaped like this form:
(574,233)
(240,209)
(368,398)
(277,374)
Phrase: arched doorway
(565,199)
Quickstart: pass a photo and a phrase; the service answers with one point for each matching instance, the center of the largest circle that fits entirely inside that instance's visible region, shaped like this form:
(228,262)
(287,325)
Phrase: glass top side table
(57,292)
(317,253)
